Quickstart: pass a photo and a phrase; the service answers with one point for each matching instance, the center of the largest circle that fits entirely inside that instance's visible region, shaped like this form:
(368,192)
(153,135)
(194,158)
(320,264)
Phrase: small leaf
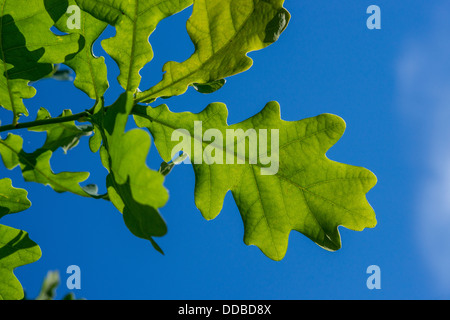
(92,190)
(223,33)
(12,200)
(16,249)
(165,168)
(36,166)
(95,142)
(298,189)
(49,285)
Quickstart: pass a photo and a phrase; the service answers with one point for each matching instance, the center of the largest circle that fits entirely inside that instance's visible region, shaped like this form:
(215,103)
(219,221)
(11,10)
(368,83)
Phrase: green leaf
(28,49)
(134,20)
(91,74)
(295,188)
(223,32)
(12,200)
(95,142)
(49,285)
(134,189)
(16,249)
(36,166)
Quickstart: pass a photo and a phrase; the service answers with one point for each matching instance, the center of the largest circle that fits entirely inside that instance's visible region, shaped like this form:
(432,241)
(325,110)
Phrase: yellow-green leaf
(134,21)
(289,185)
(12,200)
(135,190)
(16,249)
(36,166)
(28,49)
(223,32)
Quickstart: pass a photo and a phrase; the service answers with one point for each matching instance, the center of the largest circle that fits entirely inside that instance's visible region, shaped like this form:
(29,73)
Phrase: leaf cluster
(308,192)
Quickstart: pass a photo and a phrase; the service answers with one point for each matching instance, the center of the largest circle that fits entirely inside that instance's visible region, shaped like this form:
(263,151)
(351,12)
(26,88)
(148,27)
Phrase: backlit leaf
(134,189)
(12,200)
(16,249)
(298,189)
(36,166)
(223,32)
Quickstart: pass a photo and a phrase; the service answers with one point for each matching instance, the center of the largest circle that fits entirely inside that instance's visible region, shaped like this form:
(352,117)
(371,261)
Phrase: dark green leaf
(36,166)
(91,73)
(64,135)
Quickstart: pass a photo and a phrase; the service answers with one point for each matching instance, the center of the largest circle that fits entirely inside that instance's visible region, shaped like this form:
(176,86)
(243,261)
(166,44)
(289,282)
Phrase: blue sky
(389,86)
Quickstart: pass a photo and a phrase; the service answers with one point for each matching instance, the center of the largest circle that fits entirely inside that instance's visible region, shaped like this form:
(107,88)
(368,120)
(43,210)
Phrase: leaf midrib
(133,46)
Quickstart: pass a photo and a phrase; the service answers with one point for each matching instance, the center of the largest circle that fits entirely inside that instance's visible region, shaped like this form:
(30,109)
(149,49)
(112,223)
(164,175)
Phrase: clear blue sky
(390,88)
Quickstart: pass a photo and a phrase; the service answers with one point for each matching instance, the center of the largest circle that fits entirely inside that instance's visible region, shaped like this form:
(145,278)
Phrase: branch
(36,123)
(137,110)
